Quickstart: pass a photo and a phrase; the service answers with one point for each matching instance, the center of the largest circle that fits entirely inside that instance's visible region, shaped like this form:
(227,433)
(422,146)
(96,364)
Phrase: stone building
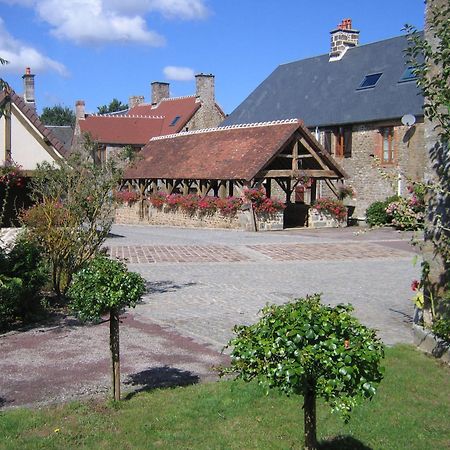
(142,121)
(363,105)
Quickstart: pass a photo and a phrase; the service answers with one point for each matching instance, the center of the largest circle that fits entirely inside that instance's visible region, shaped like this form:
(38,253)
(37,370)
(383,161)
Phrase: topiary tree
(104,287)
(313,350)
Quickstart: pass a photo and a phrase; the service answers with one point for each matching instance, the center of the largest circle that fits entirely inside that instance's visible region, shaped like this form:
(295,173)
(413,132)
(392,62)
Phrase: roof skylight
(370,81)
(174,121)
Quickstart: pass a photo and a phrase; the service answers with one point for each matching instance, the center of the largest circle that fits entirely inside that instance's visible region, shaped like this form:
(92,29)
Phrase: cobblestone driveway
(200,284)
(209,280)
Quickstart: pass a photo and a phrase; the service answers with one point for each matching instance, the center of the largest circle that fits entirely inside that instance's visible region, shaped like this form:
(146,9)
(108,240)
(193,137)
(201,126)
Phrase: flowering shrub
(270,206)
(229,206)
(126,197)
(208,205)
(261,203)
(10,175)
(409,213)
(333,207)
(157,199)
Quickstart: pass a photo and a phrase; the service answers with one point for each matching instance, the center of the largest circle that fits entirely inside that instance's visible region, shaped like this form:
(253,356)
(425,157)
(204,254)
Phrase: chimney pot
(28,88)
(348,38)
(205,89)
(80,109)
(160,91)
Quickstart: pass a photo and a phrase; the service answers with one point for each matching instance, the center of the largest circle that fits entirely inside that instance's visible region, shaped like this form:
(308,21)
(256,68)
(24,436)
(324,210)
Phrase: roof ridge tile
(228,127)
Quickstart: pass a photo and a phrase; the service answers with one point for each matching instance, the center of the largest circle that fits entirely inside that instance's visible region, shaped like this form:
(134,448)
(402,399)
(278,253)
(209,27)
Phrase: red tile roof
(227,153)
(132,130)
(170,108)
(138,125)
(30,114)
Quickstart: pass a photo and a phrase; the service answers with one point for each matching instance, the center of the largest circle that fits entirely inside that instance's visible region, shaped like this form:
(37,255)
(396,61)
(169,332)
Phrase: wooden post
(8,150)
(288,191)
(230,188)
(295,156)
(115,351)
(268,187)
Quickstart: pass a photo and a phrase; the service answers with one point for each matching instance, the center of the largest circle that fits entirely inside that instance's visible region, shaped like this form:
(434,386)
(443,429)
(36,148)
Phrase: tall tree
(114,106)
(58,115)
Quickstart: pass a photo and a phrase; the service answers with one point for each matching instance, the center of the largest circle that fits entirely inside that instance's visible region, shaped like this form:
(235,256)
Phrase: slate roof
(64,133)
(139,124)
(324,93)
(30,114)
(225,153)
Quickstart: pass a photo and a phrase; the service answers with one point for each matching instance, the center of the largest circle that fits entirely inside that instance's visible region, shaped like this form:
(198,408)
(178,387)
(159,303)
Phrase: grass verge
(410,411)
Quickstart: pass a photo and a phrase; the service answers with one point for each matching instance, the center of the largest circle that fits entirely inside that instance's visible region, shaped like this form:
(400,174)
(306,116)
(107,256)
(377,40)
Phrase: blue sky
(99,49)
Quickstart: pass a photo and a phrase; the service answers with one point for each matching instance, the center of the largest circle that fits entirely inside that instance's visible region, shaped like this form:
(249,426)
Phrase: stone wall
(367,177)
(138,213)
(317,219)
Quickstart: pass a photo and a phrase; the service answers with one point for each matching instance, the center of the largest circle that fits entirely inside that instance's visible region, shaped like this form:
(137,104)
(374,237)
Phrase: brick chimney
(28,88)
(204,84)
(80,111)
(135,100)
(160,90)
(343,38)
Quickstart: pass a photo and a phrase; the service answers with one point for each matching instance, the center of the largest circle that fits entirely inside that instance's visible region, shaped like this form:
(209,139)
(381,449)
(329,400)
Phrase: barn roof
(225,153)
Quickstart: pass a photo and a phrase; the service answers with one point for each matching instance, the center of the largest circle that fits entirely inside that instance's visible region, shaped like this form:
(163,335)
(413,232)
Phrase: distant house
(363,105)
(24,139)
(143,121)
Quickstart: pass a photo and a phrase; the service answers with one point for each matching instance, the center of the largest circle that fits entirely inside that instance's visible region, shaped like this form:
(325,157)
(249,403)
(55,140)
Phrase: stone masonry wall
(365,175)
(147,214)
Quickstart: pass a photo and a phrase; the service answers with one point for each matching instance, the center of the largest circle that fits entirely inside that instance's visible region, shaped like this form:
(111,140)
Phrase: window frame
(361,86)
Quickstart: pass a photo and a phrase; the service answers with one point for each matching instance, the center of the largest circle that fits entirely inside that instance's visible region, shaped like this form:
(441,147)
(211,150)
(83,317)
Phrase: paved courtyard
(200,284)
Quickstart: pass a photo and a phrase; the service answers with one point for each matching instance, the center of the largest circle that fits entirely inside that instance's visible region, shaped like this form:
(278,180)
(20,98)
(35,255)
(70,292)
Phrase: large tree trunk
(309,407)
(115,355)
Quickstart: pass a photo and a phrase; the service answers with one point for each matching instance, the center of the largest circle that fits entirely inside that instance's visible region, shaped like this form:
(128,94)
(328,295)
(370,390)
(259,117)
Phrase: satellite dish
(408,120)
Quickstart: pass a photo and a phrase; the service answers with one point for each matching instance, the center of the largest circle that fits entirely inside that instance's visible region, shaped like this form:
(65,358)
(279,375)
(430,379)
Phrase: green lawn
(410,411)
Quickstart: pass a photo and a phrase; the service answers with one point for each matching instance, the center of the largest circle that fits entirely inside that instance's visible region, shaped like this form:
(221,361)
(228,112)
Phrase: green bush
(376,214)
(313,350)
(23,273)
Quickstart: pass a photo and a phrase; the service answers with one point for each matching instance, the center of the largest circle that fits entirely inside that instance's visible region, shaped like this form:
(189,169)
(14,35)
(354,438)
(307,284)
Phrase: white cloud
(103,21)
(178,73)
(182,9)
(20,56)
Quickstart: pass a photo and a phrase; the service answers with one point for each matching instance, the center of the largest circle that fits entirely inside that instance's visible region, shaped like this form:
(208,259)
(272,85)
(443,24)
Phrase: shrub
(23,273)
(158,199)
(313,350)
(73,214)
(106,286)
(409,213)
(333,207)
(376,214)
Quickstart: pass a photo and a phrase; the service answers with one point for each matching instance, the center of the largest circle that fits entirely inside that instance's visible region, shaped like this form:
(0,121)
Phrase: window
(343,142)
(174,121)
(370,81)
(407,75)
(387,146)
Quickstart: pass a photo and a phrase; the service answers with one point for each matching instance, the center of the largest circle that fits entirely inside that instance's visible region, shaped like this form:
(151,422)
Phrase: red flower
(415,285)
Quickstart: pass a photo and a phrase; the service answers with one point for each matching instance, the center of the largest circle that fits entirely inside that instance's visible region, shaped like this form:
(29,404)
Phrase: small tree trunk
(309,407)
(115,355)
